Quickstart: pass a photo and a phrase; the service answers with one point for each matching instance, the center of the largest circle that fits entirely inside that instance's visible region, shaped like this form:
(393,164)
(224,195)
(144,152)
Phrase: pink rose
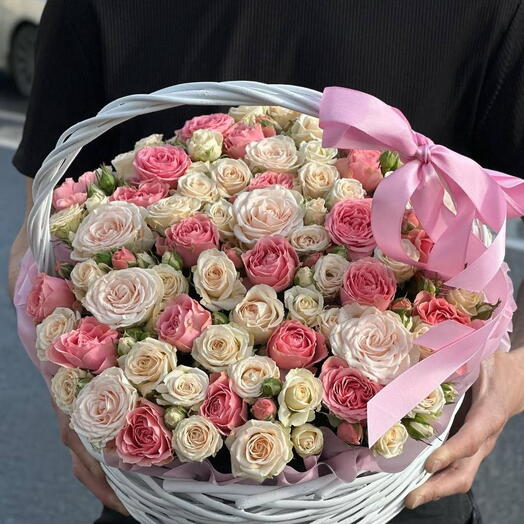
(144,195)
(218,122)
(349,224)
(239,136)
(47,294)
(224,408)
(368,281)
(264,409)
(270,178)
(145,440)
(71,192)
(346,391)
(272,261)
(433,310)
(410,221)
(189,238)
(123,258)
(268,125)
(91,345)
(363,165)
(350,433)
(294,345)
(420,239)
(182,320)
(401,304)
(161,163)
(234,254)
(311,260)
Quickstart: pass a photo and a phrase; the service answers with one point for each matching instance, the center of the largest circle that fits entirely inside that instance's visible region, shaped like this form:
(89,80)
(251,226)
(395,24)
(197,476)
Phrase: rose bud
(124,345)
(304,277)
(106,180)
(145,260)
(173,259)
(264,409)
(123,258)
(104,257)
(205,145)
(389,161)
(217,317)
(418,430)
(402,304)
(350,433)
(271,387)
(234,254)
(450,392)
(173,415)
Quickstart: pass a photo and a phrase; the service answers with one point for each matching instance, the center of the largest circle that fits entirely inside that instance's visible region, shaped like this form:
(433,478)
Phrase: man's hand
(497,395)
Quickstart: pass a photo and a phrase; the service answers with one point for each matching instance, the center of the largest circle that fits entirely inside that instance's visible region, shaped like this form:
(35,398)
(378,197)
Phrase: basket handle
(199,93)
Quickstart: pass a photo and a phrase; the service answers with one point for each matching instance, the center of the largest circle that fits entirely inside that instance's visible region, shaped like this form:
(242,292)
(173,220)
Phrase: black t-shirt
(454,67)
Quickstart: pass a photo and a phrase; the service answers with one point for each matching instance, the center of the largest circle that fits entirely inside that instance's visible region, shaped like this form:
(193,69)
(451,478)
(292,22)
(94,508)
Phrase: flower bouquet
(265,312)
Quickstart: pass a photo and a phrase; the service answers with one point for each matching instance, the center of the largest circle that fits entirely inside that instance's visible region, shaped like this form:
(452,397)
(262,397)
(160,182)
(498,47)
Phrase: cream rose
(100,409)
(391,444)
(167,211)
(95,201)
(403,272)
(112,226)
(125,297)
(260,312)
(304,304)
(313,151)
(123,165)
(175,283)
(305,128)
(195,438)
(219,346)
(328,273)
(310,239)
(317,179)
(205,145)
(282,115)
(84,275)
(465,301)
(148,141)
(248,374)
(64,386)
(184,386)
(327,320)
(199,167)
(221,214)
(198,185)
(264,212)
(315,211)
(345,188)
(307,440)
(65,222)
(259,449)
(231,176)
(60,321)
(242,112)
(431,406)
(277,153)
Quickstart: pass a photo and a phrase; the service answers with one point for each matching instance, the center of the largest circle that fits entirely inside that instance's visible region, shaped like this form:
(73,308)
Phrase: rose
(272,261)
(328,274)
(97,199)
(327,320)
(122,259)
(465,301)
(125,297)
(217,121)
(65,222)
(184,386)
(282,115)
(431,406)
(83,275)
(433,310)
(221,214)
(175,283)
(238,136)
(307,440)
(313,151)
(199,167)
(402,271)
(310,239)
(303,304)
(259,312)
(350,433)
(248,374)
(155,139)
(270,178)
(346,391)
(190,237)
(364,166)
(195,438)
(376,343)
(233,253)
(369,282)
(221,345)
(47,294)
(60,321)
(144,195)
(91,345)
(263,212)
(391,444)
(198,185)
(123,164)
(231,176)
(71,192)
(112,226)
(101,407)
(304,277)
(305,128)
(423,243)
(343,189)
(247,112)
(312,259)
(205,145)
(294,345)
(145,440)
(276,153)
(299,398)
(182,321)
(64,386)
(264,409)
(317,179)
(167,211)
(259,449)
(349,224)
(163,163)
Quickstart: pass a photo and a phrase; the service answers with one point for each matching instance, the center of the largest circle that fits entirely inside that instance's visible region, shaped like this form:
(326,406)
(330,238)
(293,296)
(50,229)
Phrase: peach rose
(238,136)
(161,163)
(195,438)
(60,321)
(433,310)
(421,240)
(364,166)
(123,258)
(276,153)
(231,176)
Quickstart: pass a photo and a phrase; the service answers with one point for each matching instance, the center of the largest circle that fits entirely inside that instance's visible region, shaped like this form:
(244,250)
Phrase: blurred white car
(19,21)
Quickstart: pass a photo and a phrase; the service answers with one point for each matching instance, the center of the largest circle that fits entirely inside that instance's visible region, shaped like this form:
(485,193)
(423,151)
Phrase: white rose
(343,189)
(299,398)
(198,185)
(60,321)
(199,167)
(317,179)
(100,409)
(147,363)
(248,374)
(219,346)
(149,141)
(313,151)
(466,301)
(64,386)
(216,280)
(315,211)
(282,115)
(307,440)
(304,304)
(431,406)
(205,145)
(403,272)
(328,274)
(125,297)
(123,165)
(175,283)
(391,444)
(259,449)
(305,128)
(95,201)
(221,214)
(195,438)
(310,239)
(241,112)
(167,211)
(184,386)
(277,153)
(260,312)
(264,212)
(112,226)
(65,222)
(230,175)
(376,343)
(84,275)
(327,320)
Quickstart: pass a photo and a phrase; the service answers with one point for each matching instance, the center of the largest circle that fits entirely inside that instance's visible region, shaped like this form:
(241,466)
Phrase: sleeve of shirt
(498,138)
(67,87)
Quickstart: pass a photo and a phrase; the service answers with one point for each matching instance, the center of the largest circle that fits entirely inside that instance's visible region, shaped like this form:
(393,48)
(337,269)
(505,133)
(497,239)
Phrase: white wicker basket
(371,498)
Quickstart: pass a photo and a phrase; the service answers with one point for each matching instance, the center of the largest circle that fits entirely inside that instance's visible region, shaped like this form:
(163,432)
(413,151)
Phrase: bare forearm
(517,338)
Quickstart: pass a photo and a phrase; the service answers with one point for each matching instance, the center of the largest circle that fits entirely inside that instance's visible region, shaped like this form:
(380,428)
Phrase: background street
(36,484)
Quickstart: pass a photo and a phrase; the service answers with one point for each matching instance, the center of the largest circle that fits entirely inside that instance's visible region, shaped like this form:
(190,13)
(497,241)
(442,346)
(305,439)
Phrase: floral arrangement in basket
(224,299)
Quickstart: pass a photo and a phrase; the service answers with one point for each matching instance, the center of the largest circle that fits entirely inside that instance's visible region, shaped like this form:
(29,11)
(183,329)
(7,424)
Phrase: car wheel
(22,57)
